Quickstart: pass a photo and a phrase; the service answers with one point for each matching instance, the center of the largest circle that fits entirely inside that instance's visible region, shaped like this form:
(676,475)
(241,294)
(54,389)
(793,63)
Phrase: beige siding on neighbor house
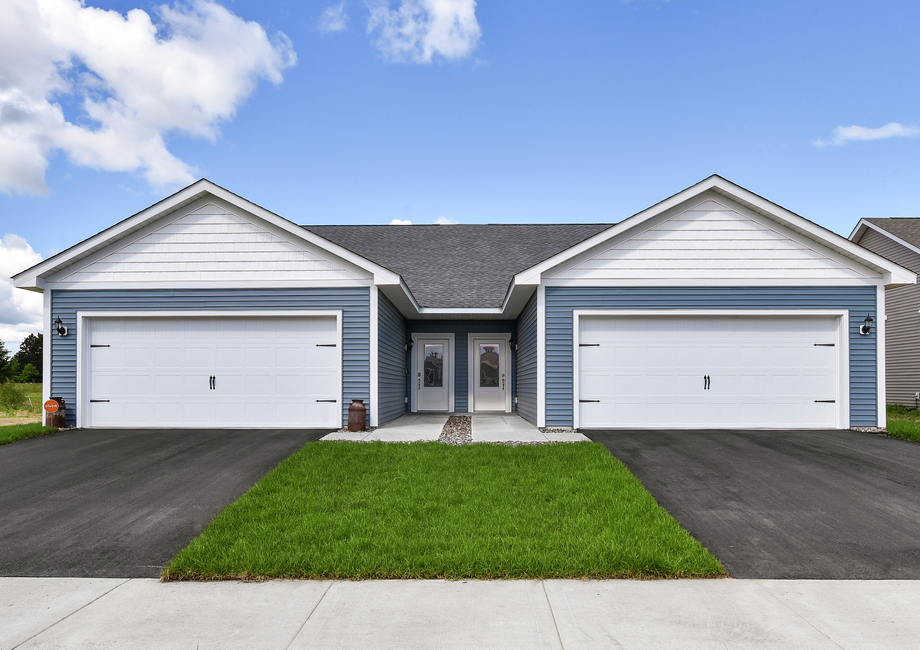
(715,240)
(902,335)
(211,244)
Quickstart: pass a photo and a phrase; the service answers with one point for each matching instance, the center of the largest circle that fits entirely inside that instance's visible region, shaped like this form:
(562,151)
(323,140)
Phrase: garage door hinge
(326,345)
(589,345)
(825,401)
(94,401)
(328,400)
(824,345)
(100,346)
(592,401)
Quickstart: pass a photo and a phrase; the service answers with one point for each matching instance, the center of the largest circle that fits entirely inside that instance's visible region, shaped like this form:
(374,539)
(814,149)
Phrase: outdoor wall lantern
(60,327)
(409,345)
(866,327)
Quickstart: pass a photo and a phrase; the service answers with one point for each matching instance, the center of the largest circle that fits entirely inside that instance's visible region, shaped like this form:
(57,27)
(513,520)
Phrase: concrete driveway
(118,503)
(786,504)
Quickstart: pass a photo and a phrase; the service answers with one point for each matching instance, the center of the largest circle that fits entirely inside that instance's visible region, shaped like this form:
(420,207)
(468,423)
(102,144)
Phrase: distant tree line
(26,365)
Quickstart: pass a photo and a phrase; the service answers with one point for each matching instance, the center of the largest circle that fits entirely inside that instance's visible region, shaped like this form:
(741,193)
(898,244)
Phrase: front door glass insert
(434,366)
(489,371)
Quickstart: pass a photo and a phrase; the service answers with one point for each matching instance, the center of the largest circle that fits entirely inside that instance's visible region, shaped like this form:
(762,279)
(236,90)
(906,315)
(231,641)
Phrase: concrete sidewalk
(486,427)
(570,614)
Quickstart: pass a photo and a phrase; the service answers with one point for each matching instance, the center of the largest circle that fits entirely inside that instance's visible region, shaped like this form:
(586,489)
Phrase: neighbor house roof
(459,265)
(906,228)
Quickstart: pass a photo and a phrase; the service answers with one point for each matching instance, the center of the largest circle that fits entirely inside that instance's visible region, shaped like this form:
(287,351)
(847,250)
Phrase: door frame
(472,367)
(413,368)
(84,331)
(841,316)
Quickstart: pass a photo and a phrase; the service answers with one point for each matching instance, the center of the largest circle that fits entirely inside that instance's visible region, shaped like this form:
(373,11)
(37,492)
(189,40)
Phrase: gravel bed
(556,430)
(458,430)
(869,430)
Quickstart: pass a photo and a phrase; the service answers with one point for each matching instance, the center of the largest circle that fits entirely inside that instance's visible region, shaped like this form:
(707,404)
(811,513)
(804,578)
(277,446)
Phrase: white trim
(892,273)
(155,285)
(47,333)
(451,369)
(880,317)
(859,231)
(842,317)
(471,366)
(374,357)
(713,282)
(541,356)
(84,331)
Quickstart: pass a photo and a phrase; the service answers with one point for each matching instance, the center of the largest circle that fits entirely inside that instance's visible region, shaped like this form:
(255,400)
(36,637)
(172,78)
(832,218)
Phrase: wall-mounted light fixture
(512,344)
(60,327)
(866,327)
(409,345)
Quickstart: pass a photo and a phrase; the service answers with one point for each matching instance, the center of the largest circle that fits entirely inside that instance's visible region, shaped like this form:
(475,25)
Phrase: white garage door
(695,372)
(213,372)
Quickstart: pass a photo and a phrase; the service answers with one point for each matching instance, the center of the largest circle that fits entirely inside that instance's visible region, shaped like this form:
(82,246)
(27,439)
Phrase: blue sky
(533,111)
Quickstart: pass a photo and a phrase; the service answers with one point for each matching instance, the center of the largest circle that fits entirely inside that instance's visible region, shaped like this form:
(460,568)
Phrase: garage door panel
(168,386)
(168,358)
(763,371)
(264,368)
(137,358)
(135,386)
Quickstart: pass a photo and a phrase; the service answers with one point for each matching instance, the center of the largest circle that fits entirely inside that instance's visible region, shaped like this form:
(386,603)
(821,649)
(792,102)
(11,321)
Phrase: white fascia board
(181,198)
(864,225)
(892,273)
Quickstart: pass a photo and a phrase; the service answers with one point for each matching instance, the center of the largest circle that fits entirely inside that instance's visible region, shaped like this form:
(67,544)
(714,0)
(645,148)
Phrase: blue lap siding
(392,361)
(354,302)
(461,330)
(561,301)
(526,369)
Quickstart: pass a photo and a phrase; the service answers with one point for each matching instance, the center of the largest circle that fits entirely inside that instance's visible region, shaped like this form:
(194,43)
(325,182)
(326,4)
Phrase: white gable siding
(707,241)
(211,244)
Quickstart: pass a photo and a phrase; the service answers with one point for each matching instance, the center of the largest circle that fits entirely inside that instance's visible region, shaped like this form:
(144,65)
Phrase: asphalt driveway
(118,503)
(786,504)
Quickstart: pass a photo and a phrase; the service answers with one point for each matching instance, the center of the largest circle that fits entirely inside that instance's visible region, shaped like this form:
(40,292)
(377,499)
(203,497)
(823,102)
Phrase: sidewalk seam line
(553,614)
(813,626)
(310,615)
(79,609)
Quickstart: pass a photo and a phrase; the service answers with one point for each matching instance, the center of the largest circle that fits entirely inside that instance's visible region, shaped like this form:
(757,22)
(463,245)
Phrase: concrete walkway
(406,614)
(486,427)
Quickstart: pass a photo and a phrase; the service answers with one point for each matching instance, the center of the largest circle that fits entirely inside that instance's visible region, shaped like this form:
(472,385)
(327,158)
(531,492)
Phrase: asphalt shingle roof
(906,228)
(461,265)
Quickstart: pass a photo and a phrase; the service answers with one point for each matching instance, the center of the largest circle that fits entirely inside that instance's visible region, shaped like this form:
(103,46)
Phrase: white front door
(490,375)
(433,370)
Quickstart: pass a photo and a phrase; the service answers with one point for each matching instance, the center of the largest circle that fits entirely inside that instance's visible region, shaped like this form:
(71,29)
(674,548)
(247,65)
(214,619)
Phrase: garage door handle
(825,345)
(97,401)
(589,345)
(589,401)
(825,401)
(333,401)
(326,345)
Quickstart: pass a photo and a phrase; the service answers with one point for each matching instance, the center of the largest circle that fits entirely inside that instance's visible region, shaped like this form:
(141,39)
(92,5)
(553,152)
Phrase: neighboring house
(899,241)
(712,308)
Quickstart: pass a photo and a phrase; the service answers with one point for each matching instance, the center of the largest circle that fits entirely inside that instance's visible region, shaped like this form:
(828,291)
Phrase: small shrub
(11,397)
(29,374)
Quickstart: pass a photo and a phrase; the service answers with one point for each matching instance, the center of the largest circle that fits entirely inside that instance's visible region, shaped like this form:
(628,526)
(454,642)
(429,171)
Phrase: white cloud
(444,221)
(844,134)
(333,18)
(417,30)
(135,81)
(400,222)
(20,310)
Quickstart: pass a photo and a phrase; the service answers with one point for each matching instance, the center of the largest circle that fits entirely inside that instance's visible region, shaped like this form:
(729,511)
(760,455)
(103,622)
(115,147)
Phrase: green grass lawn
(15,432)
(903,423)
(428,510)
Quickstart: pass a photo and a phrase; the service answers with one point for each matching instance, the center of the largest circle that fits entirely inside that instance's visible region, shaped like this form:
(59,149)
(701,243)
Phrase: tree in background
(4,361)
(30,352)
